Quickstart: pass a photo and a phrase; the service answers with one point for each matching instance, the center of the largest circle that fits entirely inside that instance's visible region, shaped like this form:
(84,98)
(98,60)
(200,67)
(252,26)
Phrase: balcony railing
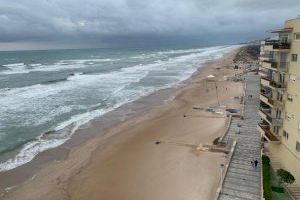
(282,45)
(268,95)
(266,111)
(272,120)
(267,133)
(270,100)
(277,84)
(267,77)
(273,63)
(277,44)
(267,57)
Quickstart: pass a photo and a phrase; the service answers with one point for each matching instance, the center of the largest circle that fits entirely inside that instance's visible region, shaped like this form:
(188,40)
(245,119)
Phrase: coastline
(75,160)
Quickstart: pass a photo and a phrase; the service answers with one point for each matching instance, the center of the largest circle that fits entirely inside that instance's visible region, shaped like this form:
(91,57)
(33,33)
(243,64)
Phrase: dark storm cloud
(105,21)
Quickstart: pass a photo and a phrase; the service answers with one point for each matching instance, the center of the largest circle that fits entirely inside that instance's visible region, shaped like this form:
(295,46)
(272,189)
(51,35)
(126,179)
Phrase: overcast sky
(39,24)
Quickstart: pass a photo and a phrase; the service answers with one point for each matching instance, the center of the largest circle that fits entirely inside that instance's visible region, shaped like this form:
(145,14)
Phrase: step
(240,187)
(241,194)
(244,177)
(246,172)
(242,182)
(228,197)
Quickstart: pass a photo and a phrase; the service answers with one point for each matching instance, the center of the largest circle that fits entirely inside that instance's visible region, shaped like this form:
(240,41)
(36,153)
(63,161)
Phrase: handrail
(219,189)
(226,129)
(277,44)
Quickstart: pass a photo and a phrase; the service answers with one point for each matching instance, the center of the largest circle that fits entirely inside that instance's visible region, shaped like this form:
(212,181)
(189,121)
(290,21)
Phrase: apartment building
(280,97)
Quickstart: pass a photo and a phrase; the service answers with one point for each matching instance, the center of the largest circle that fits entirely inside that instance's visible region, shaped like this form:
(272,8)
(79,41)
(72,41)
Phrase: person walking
(255,163)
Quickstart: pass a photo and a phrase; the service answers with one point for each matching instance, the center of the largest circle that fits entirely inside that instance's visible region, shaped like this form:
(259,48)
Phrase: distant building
(280,97)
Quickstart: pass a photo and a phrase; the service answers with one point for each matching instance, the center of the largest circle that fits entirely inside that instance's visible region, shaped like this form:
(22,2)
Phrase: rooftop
(284,30)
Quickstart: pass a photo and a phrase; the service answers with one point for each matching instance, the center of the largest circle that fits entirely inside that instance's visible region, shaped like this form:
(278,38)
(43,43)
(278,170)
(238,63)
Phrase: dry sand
(126,164)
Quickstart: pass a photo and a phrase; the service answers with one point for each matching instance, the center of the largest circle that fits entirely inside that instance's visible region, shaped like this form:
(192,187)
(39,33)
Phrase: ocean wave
(35,65)
(28,152)
(55,81)
(15,68)
(22,68)
(124,76)
(53,138)
(15,65)
(70,77)
(90,60)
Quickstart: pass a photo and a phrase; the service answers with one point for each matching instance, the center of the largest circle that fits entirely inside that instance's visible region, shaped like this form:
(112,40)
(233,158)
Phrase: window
(283,37)
(275,130)
(297,36)
(298,146)
(279,96)
(294,57)
(290,97)
(285,135)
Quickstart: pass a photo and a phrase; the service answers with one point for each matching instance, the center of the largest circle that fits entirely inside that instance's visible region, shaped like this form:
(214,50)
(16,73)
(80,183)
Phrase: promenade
(242,181)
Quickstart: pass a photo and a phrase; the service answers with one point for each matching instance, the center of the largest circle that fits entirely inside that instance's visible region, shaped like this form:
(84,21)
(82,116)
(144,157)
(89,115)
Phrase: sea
(46,95)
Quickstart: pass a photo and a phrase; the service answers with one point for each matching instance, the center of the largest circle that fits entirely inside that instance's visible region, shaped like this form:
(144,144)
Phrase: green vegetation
(272,183)
(285,177)
(216,141)
(277,193)
(277,189)
(266,170)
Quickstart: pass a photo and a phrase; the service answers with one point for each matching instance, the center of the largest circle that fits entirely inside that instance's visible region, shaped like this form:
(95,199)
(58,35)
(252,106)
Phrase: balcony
(267,57)
(273,65)
(265,99)
(274,103)
(268,65)
(267,116)
(265,131)
(266,81)
(277,45)
(277,85)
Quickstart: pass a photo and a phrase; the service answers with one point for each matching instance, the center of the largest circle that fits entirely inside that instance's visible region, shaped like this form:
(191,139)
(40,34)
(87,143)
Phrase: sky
(48,24)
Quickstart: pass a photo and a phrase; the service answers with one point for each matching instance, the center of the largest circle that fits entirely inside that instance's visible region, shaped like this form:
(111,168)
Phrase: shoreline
(99,135)
(16,156)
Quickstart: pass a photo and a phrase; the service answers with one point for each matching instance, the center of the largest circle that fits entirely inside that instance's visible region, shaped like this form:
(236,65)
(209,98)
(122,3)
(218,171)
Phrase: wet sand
(123,162)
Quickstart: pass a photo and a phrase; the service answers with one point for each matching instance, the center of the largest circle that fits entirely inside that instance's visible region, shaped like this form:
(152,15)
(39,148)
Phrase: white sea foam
(45,142)
(14,65)
(15,68)
(21,68)
(35,65)
(40,144)
(90,60)
(29,151)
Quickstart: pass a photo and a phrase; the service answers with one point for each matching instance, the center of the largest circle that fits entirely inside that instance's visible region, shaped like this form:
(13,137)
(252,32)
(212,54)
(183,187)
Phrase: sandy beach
(125,163)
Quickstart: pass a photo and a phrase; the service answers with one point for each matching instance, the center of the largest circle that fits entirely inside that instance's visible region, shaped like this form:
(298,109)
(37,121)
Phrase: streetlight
(217,93)
(221,171)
